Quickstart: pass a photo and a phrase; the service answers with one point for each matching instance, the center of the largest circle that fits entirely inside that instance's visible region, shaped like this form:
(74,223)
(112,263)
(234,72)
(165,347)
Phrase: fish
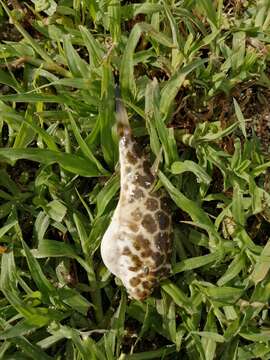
(137,244)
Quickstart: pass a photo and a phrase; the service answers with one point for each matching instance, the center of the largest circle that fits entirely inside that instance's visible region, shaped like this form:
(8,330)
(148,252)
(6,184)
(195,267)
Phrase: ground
(194,77)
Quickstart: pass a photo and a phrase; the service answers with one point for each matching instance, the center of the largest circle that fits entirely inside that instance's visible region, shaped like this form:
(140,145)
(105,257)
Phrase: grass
(194,76)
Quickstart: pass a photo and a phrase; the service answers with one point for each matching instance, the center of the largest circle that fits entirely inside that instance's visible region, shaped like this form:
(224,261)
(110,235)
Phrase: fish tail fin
(123,126)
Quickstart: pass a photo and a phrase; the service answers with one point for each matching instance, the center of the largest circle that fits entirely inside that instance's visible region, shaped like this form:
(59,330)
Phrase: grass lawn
(195,79)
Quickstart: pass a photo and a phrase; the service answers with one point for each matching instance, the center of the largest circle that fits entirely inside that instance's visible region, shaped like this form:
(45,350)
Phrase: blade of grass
(94,48)
(178,296)
(77,66)
(233,270)
(30,349)
(155,354)
(174,84)
(195,212)
(106,115)
(261,267)
(84,147)
(198,261)
(42,283)
(240,118)
(73,163)
(95,290)
(187,165)
(114,13)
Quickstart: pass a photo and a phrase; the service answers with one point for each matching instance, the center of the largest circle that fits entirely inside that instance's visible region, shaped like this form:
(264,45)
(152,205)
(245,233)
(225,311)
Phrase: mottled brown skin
(150,224)
(138,238)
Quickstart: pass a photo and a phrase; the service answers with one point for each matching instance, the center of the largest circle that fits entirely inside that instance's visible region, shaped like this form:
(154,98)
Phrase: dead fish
(137,244)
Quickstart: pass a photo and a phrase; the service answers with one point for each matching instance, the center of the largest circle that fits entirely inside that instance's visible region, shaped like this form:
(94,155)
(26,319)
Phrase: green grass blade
(19,329)
(262,265)
(52,248)
(187,165)
(155,354)
(95,51)
(69,162)
(233,270)
(210,11)
(77,66)
(95,291)
(84,147)
(114,13)
(9,80)
(38,276)
(173,85)
(127,81)
(240,118)
(31,350)
(178,296)
(197,262)
(195,212)
(107,117)
(106,194)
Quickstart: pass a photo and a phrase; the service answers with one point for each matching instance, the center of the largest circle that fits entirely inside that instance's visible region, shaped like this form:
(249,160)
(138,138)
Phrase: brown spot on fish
(136,260)
(137,246)
(126,251)
(140,242)
(138,194)
(133,227)
(145,243)
(162,241)
(145,181)
(131,158)
(151,204)
(134,281)
(152,278)
(158,258)
(146,285)
(138,293)
(141,295)
(157,273)
(137,214)
(137,149)
(149,223)
(146,253)
(166,271)
(134,268)
(164,204)
(147,167)
(144,295)
(124,132)
(163,220)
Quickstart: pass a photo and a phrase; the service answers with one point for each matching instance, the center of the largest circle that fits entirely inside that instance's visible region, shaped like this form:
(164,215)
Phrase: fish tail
(123,126)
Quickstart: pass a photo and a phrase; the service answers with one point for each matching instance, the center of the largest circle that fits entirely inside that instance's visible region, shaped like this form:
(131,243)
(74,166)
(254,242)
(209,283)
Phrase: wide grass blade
(73,163)
(197,262)
(171,88)
(39,278)
(195,212)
